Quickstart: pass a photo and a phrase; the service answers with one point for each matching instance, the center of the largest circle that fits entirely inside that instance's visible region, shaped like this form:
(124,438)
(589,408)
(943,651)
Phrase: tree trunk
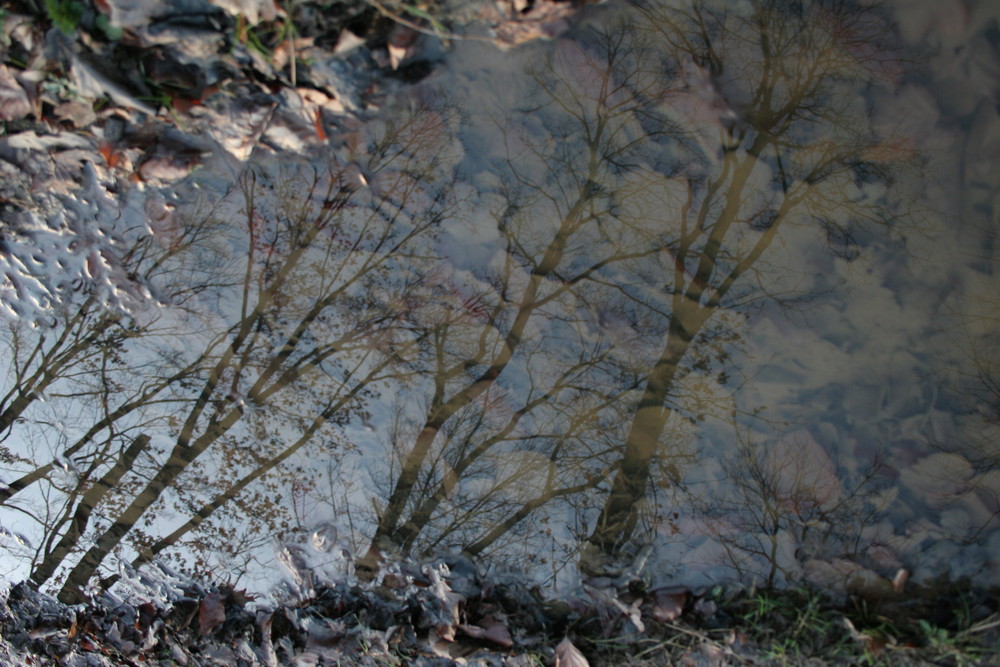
(618,518)
(81,517)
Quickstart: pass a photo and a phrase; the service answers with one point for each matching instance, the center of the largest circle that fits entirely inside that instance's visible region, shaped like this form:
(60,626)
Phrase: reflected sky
(699,292)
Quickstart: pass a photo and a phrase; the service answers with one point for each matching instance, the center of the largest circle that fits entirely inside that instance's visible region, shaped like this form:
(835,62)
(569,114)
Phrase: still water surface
(705,291)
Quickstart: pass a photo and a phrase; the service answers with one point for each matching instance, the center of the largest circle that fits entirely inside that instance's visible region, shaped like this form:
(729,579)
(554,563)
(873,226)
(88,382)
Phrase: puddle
(686,294)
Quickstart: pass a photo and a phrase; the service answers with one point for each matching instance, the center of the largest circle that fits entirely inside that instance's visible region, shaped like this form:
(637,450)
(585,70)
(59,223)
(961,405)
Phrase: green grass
(64,14)
(802,626)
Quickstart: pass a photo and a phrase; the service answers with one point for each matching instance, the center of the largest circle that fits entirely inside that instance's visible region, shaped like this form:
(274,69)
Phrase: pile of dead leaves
(438,613)
(446,612)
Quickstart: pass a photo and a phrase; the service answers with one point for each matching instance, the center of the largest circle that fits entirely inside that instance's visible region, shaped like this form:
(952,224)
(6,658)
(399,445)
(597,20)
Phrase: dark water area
(694,293)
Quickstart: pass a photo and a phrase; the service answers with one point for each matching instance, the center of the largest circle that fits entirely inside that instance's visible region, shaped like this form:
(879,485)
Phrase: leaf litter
(449,612)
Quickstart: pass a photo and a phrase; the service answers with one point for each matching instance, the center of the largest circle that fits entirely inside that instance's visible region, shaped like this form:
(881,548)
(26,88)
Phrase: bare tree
(84,347)
(521,332)
(785,500)
(306,318)
(781,139)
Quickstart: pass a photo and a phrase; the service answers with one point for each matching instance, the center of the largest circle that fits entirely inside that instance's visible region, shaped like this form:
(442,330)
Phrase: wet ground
(608,299)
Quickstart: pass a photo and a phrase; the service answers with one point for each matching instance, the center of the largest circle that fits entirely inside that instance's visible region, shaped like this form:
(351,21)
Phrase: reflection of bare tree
(509,454)
(644,205)
(306,315)
(39,361)
(786,501)
(80,392)
(636,206)
(511,360)
(789,145)
(86,354)
(976,386)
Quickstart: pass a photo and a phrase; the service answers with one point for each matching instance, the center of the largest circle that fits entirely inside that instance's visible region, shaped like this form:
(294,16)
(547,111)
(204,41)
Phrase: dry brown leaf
(668,604)
(211,612)
(254,11)
(490,630)
(78,113)
(899,581)
(14,103)
(545,19)
(568,655)
(317,98)
(348,41)
(402,44)
(396,55)
(446,632)
(22,30)
(288,49)
(29,140)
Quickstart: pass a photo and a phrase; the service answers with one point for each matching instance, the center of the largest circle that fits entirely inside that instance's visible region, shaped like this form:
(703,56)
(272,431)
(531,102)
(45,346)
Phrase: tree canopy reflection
(640,202)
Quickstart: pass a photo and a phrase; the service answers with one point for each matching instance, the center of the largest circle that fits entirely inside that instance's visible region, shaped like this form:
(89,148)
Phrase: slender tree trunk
(81,517)
(414,461)
(180,458)
(618,517)
(206,510)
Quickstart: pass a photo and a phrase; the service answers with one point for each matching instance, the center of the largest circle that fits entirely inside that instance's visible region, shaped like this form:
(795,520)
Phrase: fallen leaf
(568,655)
(899,581)
(705,608)
(211,612)
(108,152)
(348,41)
(91,85)
(402,44)
(544,20)
(317,98)
(491,630)
(146,616)
(668,603)
(443,612)
(287,51)
(44,632)
(266,645)
(14,102)
(163,169)
(78,113)
(872,641)
(318,124)
(446,631)
(167,72)
(183,104)
(254,11)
